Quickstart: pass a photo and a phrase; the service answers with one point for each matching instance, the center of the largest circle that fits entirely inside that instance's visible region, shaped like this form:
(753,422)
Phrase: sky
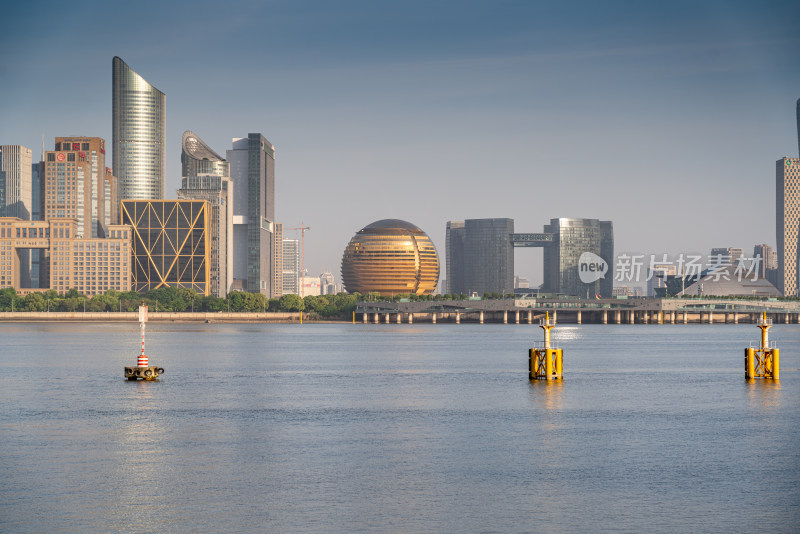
(663,117)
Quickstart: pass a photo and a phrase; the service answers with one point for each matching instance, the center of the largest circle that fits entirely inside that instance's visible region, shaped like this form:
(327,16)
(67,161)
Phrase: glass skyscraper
(572,238)
(138,134)
(252,161)
(480,256)
(198,158)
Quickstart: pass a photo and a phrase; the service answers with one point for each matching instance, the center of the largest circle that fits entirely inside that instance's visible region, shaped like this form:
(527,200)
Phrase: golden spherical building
(390,257)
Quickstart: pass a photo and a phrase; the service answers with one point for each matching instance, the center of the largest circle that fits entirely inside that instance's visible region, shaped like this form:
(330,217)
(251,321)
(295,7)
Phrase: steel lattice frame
(170,244)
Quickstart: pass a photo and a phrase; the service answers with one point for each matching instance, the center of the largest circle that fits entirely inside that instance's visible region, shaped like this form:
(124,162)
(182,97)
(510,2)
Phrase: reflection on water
(547,394)
(764,393)
(395,428)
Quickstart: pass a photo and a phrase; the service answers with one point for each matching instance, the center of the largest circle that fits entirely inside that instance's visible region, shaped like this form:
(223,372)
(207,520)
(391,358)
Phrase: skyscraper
(206,177)
(78,185)
(787,215)
(573,237)
(480,256)
(197,158)
(252,161)
(291,267)
(454,257)
(138,134)
(15,181)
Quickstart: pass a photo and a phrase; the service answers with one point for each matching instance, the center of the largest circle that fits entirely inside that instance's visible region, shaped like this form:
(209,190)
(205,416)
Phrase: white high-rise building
(291,267)
(15,182)
(327,284)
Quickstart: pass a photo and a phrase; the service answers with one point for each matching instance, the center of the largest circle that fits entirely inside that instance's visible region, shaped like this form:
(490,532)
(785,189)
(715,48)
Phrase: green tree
(314,303)
(290,303)
(9,299)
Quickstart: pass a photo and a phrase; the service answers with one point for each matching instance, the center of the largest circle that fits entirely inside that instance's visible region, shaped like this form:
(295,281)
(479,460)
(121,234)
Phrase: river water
(395,428)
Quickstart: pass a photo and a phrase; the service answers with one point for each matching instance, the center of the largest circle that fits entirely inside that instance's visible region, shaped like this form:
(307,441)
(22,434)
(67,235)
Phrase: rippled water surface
(395,428)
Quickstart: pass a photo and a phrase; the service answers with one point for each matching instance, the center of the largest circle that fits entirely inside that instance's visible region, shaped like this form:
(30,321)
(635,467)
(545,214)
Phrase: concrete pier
(578,318)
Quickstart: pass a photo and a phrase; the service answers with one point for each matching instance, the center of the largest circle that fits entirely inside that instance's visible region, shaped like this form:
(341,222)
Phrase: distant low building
(310,286)
(622,291)
(521,283)
(656,276)
(727,282)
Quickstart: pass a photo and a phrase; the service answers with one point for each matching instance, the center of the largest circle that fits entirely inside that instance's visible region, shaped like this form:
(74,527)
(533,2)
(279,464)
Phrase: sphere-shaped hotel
(390,257)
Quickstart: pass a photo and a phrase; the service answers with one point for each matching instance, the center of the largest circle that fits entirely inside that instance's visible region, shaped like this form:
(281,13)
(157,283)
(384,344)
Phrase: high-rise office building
(138,134)
(787,215)
(291,267)
(252,164)
(726,255)
(15,182)
(78,184)
(216,190)
(197,158)
(206,177)
(768,256)
(480,256)
(170,245)
(277,261)
(327,284)
(573,238)
(454,257)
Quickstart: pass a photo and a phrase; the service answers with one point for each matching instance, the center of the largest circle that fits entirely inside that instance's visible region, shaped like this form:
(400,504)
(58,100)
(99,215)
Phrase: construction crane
(302,229)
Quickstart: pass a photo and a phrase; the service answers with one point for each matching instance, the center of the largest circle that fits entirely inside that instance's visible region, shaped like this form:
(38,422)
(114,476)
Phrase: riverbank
(167,317)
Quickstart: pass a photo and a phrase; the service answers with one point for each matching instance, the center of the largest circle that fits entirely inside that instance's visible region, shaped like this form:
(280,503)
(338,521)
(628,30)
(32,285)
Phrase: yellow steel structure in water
(546,363)
(764,361)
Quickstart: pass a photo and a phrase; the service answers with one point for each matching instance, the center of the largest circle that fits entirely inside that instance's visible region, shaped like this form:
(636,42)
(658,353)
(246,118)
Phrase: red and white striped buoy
(142,361)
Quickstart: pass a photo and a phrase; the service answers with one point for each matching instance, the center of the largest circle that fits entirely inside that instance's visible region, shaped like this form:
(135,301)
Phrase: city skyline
(665,121)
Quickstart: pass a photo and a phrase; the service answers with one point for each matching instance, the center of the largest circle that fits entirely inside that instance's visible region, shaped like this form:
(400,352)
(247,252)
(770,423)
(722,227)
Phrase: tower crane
(302,229)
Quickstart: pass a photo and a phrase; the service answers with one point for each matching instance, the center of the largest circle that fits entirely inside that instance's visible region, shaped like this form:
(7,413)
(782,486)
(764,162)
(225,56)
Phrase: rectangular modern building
(90,265)
(573,238)
(218,191)
(291,267)
(480,256)
(78,184)
(787,214)
(252,165)
(454,257)
(15,182)
(170,244)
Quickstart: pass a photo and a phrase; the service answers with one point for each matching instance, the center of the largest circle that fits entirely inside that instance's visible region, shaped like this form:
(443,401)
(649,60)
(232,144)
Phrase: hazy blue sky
(664,117)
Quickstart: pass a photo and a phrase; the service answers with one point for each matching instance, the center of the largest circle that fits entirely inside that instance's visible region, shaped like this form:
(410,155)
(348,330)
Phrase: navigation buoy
(143,369)
(546,363)
(763,361)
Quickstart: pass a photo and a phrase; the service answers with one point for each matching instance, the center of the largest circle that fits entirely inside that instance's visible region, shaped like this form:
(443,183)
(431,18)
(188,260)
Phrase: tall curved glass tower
(138,134)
